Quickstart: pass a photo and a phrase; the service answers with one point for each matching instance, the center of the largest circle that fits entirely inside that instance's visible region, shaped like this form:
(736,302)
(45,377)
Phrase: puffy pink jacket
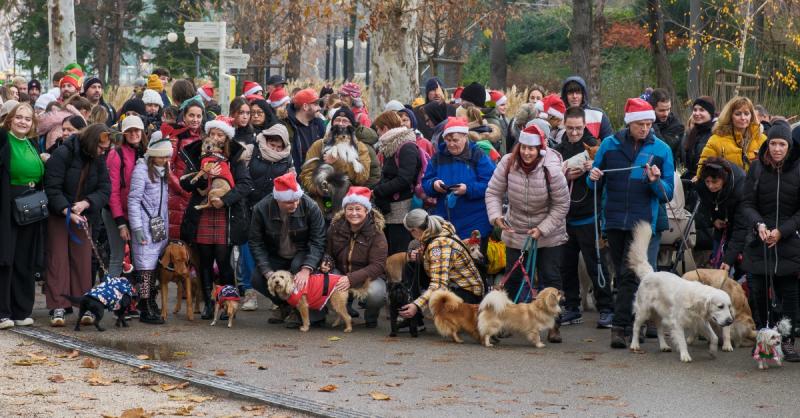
(120,186)
(49,124)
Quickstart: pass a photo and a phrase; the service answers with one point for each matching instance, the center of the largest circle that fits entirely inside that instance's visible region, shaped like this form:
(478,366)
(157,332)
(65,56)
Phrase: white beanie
(159,148)
(152,97)
(394,106)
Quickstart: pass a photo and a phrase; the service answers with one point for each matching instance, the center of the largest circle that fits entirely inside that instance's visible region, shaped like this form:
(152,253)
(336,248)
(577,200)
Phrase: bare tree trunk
(658,46)
(118,39)
(596,58)
(696,58)
(748,22)
(295,46)
(498,62)
(581,37)
(61,21)
(393,62)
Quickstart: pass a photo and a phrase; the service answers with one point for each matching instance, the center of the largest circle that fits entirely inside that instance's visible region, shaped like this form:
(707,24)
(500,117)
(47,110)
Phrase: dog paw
(539,345)
(666,349)
(488,345)
(214,323)
(686,358)
(635,345)
(727,347)
(349,329)
(304,329)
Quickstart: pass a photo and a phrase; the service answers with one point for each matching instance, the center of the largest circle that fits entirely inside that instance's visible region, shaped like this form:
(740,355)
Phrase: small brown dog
(451,315)
(498,313)
(319,290)
(174,266)
(227,299)
(215,153)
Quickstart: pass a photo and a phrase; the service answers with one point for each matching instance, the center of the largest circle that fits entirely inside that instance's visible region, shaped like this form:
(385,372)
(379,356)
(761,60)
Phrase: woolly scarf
(270,154)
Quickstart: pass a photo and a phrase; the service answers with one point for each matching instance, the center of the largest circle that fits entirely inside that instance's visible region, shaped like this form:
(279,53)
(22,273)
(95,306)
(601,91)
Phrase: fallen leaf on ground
(151,382)
(334,362)
(250,408)
(393,385)
(602,397)
(136,413)
(72,354)
(188,364)
(588,340)
(143,357)
(42,392)
(184,410)
(26,362)
(379,396)
(95,379)
(200,399)
(328,388)
(88,363)
(88,396)
(394,363)
(181,354)
(220,372)
(334,338)
(56,378)
(442,388)
(37,357)
(145,367)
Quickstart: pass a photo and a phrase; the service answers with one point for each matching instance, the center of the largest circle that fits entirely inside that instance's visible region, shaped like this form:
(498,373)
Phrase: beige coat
(528,202)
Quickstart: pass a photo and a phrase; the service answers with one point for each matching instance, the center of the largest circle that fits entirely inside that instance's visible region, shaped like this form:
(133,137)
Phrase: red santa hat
(457,94)
(554,106)
(538,108)
(224,124)
(455,125)
(498,97)
(250,87)
(278,97)
(532,136)
(206,92)
(286,188)
(360,195)
(637,109)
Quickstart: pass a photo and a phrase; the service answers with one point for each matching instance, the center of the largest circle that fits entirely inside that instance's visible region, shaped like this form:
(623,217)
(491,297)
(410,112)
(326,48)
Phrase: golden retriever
(497,313)
(451,315)
(281,284)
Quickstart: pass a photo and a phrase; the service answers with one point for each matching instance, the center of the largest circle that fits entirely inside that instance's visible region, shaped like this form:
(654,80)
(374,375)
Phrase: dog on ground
(174,266)
(227,299)
(497,313)
(319,290)
(742,332)
(768,344)
(114,294)
(451,315)
(399,296)
(215,152)
(673,303)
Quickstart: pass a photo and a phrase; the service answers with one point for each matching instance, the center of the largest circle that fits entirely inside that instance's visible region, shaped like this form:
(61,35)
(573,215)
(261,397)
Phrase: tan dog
(313,296)
(174,266)
(451,315)
(214,154)
(394,267)
(497,313)
(226,299)
(743,330)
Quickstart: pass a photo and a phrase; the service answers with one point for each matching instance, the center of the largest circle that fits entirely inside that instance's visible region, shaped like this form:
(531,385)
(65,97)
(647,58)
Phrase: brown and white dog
(498,313)
(226,299)
(319,290)
(451,315)
(175,266)
(214,152)
(742,332)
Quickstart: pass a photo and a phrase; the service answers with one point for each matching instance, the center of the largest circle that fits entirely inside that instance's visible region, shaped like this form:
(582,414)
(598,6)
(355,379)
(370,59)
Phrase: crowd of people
(316,181)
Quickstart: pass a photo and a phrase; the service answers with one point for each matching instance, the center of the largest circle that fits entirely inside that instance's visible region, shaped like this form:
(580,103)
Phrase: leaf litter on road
(379,396)
(328,388)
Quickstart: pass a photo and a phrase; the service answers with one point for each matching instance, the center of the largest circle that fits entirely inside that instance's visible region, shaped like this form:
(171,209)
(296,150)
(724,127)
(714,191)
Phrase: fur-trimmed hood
(361,256)
(393,139)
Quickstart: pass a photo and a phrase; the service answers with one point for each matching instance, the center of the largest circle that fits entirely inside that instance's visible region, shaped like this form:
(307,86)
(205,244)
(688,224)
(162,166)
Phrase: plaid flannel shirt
(446,263)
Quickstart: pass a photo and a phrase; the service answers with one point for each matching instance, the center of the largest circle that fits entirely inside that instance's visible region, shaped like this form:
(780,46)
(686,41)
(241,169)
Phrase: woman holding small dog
(148,216)
(538,203)
(187,132)
(771,207)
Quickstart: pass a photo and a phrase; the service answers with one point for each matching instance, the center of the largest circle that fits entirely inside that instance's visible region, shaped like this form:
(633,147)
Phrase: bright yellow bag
(496,254)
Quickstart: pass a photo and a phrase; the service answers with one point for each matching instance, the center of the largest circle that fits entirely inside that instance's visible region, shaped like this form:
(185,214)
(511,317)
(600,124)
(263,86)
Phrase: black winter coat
(263,172)
(725,205)
(306,229)
(63,173)
(581,198)
(691,154)
(245,135)
(397,181)
(235,200)
(670,131)
(771,195)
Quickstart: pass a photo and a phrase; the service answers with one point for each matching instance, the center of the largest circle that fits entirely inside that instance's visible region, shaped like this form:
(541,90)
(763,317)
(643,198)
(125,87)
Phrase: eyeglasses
(257,113)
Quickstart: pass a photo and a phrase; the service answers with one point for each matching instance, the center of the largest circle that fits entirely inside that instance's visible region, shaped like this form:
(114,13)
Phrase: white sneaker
(87,319)
(250,300)
(57,318)
(6,323)
(24,322)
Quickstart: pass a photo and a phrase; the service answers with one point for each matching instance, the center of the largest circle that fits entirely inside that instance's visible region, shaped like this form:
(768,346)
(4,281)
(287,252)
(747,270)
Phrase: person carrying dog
(215,230)
(148,217)
(287,232)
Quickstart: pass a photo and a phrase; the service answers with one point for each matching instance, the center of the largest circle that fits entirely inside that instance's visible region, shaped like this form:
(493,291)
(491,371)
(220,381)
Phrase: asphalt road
(431,376)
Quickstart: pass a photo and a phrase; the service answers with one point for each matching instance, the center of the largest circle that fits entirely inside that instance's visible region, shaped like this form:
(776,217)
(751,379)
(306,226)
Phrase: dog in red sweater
(215,153)
(319,291)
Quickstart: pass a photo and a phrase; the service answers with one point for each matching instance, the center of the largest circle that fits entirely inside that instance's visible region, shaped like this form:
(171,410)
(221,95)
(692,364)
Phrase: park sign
(204,30)
(234,58)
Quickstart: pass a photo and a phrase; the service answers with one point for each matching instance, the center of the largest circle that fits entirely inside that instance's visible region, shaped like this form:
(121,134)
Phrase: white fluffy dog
(674,303)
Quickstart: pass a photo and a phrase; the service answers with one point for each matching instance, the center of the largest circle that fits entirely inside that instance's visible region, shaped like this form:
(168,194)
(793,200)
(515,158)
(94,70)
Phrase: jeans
(582,241)
(246,267)
(652,250)
(116,245)
(548,269)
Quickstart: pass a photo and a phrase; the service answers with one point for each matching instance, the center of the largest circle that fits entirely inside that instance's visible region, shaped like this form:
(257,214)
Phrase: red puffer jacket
(178,198)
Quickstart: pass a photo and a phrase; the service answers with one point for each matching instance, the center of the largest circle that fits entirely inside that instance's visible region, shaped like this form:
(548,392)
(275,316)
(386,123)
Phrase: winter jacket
(360,255)
(235,200)
(178,198)
(691,154)
(397,181)
(302,136)
(725,146)
(245,135)
(670,131)
(538,199)
(49,124)
(628,197)
(315,157)
(725,205)
(263,172)
(469,211)
(581,196)
(306,229)
(772,195)
(318,290)
(119,173)
(362,116)
(596,120)
(63,173)
(111,291)
(147,198)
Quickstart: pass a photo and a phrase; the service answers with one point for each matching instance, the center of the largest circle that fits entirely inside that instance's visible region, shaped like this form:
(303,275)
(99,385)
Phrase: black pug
(114,294)
(399,296)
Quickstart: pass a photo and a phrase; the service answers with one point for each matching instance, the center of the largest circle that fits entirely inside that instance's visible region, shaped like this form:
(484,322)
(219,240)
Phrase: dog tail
(495,301)
(785,327)
(72,299)
(444,300)
(637,255)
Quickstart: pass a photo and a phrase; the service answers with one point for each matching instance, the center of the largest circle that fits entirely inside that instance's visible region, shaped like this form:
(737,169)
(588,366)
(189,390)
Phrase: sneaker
(789,354)
(250,300)
(6,323)
(57,318)
(87,319)
(618,338)
(605,320)
(571,316)
(402,326)
(23,322)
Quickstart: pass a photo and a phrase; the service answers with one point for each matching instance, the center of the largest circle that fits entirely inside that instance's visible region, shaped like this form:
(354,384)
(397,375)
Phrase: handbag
(30,207)
(158,228)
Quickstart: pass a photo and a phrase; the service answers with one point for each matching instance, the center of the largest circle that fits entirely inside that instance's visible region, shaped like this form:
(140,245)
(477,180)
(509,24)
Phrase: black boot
(788,348)
(148,315)
(208,310)
(618,338)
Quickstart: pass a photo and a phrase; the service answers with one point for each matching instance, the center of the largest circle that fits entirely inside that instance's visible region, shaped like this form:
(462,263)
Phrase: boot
(618,339)
(789,353)
(148,315)
(208,310)
(554,334)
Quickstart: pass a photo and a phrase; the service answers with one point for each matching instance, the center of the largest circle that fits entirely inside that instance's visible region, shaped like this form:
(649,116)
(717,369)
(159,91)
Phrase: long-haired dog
(214,152)
(342,145)
(226,299)
(319,290)
(768,344)
(451,315)
(497,313)
(114,294)
(673,303)
(742,332)
(332,186)
(175,266)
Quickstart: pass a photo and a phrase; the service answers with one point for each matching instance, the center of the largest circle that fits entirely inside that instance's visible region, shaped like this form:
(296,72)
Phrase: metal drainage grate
(276,399)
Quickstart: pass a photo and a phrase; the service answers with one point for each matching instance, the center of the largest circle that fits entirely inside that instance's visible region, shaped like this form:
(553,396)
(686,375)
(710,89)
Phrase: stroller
(677,242)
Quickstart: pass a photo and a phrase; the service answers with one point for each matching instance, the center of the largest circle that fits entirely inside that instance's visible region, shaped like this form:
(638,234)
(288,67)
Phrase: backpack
(424,159)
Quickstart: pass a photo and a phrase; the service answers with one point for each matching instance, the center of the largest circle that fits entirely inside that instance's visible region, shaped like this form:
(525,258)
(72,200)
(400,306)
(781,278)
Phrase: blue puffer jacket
(469,212)
(627,196)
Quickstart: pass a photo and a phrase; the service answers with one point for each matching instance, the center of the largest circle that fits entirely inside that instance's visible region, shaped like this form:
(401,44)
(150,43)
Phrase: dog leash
(101,265)
(519,264)
(601,278)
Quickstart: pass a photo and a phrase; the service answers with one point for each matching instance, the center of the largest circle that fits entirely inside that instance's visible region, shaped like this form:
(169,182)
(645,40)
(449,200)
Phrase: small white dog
(768,344)
(674,303)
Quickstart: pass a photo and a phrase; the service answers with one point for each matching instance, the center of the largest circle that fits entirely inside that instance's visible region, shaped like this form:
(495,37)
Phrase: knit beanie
(346,112)
(152,97)
(474,93)
(154,83)
(780,129)
(90,81)
(70,79)
(158,146)
(706,103)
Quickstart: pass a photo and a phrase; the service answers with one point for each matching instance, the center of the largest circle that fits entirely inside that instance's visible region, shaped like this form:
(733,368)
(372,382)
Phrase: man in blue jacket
(633,194)
(575,94)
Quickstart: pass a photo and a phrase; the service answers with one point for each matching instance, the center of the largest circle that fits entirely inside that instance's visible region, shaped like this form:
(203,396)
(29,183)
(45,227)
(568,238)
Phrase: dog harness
(227,292)
(318,290)
(110,292)
(224,165)
(766,352)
